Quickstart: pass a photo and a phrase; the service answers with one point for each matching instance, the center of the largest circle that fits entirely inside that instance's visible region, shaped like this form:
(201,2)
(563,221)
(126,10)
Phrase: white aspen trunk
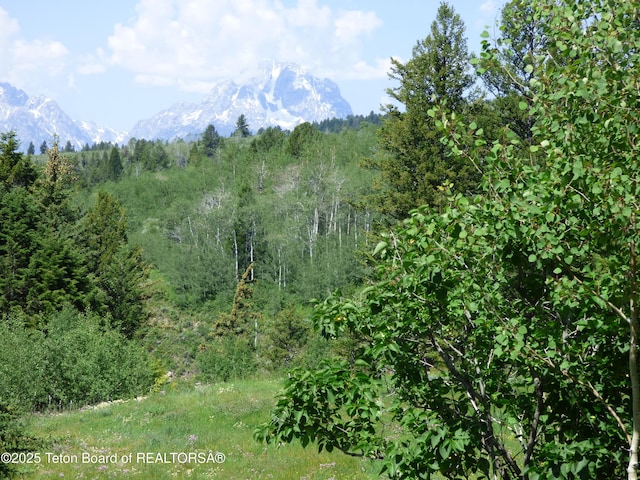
(251,258)
(310,242)
(632,469)
(331,224)
(355,227)
(255,334)
(316,221)
(195,239)
(235,252)
(279,274)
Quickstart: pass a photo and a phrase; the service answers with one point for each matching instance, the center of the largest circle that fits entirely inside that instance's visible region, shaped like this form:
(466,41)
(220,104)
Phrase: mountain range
(283,95)
(38,119)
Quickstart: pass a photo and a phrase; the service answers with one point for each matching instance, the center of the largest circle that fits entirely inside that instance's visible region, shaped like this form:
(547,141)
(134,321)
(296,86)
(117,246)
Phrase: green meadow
(186,430)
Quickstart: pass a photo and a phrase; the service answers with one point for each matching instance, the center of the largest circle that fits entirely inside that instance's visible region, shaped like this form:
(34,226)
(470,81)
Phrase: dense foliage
(490,333)
(500,334)
(115,236)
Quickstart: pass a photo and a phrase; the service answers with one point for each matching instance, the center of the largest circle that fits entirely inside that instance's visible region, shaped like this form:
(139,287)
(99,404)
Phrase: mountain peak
(10,95)
(281,94)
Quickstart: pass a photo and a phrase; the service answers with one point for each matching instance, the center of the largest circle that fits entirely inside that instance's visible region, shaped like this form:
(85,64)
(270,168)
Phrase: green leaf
(381,246)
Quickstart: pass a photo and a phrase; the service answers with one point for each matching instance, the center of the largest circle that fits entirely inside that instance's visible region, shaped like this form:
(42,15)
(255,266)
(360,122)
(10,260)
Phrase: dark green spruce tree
(242,127)
(119,270)
(114,166)
(210,141)
(414,165)
(16,170)
(41,269)
(508,71)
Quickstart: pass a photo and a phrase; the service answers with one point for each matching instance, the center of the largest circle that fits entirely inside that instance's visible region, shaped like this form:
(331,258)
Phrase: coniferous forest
(448,288)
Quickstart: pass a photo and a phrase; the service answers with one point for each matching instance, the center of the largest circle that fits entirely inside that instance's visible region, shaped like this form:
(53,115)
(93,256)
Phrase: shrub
(226,358)
(90,363)
(12,439)
(78,361)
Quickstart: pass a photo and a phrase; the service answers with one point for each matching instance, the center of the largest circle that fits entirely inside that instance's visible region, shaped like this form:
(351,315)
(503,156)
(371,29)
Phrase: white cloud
(488,13)
(24,62)
(351,25)
(489,7)
(192,43)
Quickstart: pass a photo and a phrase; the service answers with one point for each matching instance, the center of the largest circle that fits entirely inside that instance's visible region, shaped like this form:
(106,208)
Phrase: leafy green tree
(302,136)
(242,127)
(501,334)
(43,147)
(272,137)
(414,165)
(13,438)
(104,231)
(31,149)
(285,337)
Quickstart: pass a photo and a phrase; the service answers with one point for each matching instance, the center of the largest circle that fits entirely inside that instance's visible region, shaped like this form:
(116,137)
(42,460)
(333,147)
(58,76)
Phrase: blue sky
(120,61)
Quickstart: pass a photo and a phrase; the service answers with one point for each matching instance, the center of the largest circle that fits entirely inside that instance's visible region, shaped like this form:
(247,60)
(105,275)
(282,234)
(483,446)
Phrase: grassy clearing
(183,419)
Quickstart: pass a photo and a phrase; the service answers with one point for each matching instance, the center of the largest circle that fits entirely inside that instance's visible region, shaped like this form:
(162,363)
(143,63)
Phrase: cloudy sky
(119,61)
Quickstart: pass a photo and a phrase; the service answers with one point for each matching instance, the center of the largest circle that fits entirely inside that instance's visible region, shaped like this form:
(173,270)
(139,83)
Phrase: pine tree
(15,169)
(415,166)
(119,270)
(210,141)
(242,127)
(114,164)
(508,72)
(302,136)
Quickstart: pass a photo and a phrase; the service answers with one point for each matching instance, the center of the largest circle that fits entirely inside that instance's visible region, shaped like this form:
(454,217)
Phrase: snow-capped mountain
(38,119)
(282,95)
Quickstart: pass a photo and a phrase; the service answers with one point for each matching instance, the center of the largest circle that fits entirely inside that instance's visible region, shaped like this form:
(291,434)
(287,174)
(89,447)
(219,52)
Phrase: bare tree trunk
(632,469)
(235,252)
(251,250)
